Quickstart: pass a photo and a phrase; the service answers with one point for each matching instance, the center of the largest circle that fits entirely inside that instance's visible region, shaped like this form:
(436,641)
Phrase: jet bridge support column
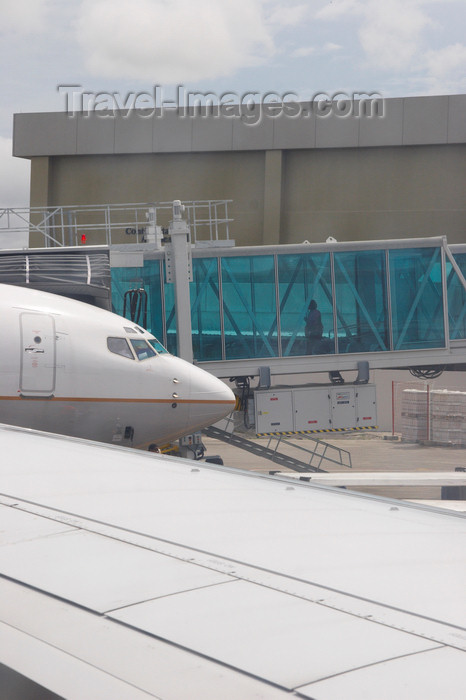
(179,272)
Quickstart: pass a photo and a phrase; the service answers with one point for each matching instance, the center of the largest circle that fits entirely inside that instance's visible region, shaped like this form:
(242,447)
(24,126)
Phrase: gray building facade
(399,173)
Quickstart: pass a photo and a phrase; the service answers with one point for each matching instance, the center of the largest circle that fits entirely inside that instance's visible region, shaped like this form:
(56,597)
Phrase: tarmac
(370,452)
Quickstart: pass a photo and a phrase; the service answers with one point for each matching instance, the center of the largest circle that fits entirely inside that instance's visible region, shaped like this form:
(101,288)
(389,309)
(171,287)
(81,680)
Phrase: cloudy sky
(392,47)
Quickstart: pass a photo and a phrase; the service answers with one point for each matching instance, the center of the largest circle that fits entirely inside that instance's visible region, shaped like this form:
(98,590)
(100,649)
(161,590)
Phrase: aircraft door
(38,354)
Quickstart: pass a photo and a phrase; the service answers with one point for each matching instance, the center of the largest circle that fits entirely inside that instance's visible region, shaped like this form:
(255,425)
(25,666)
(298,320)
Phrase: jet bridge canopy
(398,303)
(79,272)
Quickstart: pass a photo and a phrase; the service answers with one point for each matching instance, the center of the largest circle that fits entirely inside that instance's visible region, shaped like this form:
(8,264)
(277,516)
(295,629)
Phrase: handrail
(321,456)
(61,226)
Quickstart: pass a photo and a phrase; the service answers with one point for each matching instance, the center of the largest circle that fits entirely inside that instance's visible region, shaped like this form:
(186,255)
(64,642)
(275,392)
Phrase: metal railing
(113,223)
(320,451)
(295,457)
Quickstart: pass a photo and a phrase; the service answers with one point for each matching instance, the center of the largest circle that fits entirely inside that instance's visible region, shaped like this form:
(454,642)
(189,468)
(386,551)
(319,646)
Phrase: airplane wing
(128,575)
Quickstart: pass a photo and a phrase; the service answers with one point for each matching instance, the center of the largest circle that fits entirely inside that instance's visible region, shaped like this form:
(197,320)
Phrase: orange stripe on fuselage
(73,399)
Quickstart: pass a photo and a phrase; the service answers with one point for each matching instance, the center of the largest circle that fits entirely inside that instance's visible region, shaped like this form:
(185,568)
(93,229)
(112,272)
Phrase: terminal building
(393,168)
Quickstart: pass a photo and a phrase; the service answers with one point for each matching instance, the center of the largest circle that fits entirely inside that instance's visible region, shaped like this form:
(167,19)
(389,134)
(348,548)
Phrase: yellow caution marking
(323,430)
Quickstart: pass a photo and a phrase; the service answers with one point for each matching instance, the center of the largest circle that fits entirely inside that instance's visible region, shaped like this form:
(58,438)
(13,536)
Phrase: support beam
(272,197)
(40,175)
(38,195)
(179,272)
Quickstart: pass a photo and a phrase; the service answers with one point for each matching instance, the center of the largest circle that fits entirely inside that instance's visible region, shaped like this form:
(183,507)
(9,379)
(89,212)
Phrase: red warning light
(83,239)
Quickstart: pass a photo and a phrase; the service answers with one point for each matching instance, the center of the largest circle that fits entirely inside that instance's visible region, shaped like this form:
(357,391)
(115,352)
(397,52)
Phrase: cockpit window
(130,330)
(120,346)
(142,349)
(157,345)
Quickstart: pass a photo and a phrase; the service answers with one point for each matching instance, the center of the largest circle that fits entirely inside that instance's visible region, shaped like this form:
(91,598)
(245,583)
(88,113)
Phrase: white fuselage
(71,368)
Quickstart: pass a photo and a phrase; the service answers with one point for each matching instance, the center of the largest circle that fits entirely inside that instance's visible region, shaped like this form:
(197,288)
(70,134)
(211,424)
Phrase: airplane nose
(211,399)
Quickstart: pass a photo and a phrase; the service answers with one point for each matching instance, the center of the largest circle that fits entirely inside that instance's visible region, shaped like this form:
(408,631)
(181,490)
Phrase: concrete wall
(290,179)
(374,193)
(77,180)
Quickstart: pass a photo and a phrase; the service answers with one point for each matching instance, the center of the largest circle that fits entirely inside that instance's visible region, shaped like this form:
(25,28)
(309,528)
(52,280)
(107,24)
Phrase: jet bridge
(241,312)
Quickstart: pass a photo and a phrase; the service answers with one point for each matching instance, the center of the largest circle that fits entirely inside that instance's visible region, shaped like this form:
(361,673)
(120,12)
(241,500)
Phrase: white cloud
(391,33)
(14,177)
(330,47)
(284,15)
(23,16)
(303,51)
(447,68)
(338,8)
(177,41)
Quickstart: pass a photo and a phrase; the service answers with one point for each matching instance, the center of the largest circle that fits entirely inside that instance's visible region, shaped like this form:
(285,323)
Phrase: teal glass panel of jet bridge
(456,298)
(249,308)
(205,310)
(148,278)
(361,301)
(303,277)
(416,298)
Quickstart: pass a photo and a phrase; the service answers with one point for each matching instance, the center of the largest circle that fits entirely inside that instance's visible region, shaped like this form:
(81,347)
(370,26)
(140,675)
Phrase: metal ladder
(281,458)
(320,451)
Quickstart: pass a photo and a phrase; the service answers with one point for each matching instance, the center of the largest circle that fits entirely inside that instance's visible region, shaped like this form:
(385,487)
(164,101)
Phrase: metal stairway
(281,458)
